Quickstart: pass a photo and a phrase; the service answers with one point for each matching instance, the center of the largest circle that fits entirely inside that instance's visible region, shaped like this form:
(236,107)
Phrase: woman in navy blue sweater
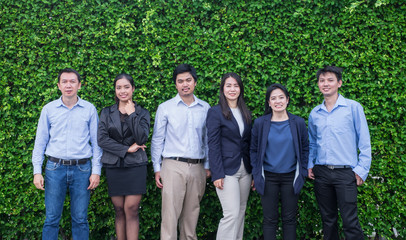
(279,156)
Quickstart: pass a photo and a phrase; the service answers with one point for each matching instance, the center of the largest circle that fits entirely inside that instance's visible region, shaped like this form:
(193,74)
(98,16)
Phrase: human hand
(310,173)
(219,183)
(129,107)
(94,181)
(39,181)
(208,173)
(359,179)
(253,185)
(135,147)
(158,180)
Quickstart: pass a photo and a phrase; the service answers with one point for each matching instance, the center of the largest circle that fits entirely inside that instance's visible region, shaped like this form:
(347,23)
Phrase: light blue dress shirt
(180,131)
(335,137)
(65,133)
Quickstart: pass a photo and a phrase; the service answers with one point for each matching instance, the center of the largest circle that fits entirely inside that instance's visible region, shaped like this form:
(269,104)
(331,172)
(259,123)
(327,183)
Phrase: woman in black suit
(279,156)
(122,134)
(229,129)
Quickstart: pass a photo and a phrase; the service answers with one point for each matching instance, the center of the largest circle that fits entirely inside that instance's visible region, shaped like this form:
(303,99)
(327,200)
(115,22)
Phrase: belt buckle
(66,162)
(331,167)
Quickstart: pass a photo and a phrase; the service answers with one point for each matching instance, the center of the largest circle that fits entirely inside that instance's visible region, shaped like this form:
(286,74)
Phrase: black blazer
(226,145)
(115,140)
(259,140)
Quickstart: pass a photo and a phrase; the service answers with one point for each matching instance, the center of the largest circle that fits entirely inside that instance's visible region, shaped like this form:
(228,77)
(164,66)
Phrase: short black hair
(269,90)
(68,70)
(332,69)
(182,68)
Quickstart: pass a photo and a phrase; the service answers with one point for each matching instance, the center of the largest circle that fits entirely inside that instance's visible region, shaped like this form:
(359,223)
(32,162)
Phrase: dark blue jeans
(337,189)
(59,178)
(279,186)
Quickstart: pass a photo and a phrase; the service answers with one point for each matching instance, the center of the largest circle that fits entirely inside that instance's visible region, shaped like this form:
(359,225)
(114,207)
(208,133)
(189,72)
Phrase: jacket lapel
(115,118)
(264,135)
(293,130)
(234,121)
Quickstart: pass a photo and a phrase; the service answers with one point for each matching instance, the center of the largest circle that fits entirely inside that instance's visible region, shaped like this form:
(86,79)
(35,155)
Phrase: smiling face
(124,90)
(231,90)
(69,85)
(328,84)
(185,84)
(278,101)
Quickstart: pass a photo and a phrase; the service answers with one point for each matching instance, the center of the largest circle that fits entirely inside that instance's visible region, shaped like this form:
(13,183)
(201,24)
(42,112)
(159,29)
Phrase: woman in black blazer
(279,156)
(229,129)
(122,134)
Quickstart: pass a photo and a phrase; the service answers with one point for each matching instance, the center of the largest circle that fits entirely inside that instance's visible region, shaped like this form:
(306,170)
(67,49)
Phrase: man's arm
(96,150)
(157,143)
(363,143)
(206,146)
(312,146)
(41,141)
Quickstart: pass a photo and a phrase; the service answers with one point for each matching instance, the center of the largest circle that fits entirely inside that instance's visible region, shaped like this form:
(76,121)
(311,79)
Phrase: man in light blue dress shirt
(65,130)
(339,157)
(179,156)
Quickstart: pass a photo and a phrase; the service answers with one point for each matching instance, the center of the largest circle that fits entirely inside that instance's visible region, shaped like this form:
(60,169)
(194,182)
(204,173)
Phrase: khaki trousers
(233,198)
(183,189)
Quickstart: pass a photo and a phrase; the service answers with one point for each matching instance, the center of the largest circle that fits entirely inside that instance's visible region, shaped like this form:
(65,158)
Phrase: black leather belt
(186,160)
(68,161)
(332,167)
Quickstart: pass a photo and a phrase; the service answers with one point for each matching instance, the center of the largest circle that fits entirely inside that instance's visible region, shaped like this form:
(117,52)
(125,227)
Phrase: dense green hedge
(264,41)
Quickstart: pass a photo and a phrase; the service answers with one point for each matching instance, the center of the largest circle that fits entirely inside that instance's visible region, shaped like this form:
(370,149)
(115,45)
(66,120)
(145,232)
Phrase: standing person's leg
(229,198)
(289,206)
(346,189)
(327,201)
(131,207)
(245,188)
(78,180)
(118,203)
(55,192)
(173,175)
(270,202)
(196,184)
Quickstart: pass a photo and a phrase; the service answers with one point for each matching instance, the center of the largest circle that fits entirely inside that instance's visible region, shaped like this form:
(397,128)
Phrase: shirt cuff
(37,169)
(361,172)
(157,167)
(310,164)
(96,170)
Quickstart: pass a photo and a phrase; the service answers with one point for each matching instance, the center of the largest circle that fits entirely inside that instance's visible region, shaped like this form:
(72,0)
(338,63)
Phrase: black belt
(186,160)
(68,161)
(332,167)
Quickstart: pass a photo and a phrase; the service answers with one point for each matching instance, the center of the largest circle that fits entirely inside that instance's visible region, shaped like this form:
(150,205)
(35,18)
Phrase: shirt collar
(178,100)
(79,103)
(340,102)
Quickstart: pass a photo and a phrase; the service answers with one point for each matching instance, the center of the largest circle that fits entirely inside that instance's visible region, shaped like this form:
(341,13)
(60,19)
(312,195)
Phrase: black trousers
(279,186)
(337,189)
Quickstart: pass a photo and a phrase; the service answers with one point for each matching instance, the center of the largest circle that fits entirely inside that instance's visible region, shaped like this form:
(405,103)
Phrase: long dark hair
(121,76)
(225,109)
(269,90)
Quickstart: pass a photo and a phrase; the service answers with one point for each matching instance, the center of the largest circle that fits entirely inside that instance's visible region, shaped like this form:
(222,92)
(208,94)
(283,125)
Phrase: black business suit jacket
(259,139)
(115,139)
(226,145)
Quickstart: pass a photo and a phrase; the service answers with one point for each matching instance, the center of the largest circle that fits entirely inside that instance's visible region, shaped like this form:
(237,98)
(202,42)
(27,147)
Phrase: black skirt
(127,181)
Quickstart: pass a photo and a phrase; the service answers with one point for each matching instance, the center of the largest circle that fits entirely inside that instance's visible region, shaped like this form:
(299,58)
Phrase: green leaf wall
(263,41)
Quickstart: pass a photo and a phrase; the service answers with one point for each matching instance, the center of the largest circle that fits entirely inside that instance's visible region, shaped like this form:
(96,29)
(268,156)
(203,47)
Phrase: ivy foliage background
(263,41)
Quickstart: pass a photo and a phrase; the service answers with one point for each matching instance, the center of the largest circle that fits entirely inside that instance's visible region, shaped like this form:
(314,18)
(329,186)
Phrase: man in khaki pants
(180,139)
